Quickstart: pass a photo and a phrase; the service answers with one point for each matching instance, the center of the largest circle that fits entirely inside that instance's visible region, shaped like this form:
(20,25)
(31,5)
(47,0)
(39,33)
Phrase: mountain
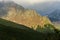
(19,14)
(10,24)
(6,6)
(45,8)
(13,31)
(55,15)
(55,18)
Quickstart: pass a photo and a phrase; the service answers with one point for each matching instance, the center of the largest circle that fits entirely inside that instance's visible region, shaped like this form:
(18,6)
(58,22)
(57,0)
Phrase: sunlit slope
(13,25)
(27,17)
(18,14)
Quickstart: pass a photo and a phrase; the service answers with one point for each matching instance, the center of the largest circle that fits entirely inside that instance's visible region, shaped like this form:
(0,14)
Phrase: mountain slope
(12,24)
(6,6)
(55,18)
(18,14)
(29,18)
(55,15)
(13,31)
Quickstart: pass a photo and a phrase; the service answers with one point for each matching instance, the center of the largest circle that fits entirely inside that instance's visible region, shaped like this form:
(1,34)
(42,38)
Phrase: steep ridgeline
(18,14)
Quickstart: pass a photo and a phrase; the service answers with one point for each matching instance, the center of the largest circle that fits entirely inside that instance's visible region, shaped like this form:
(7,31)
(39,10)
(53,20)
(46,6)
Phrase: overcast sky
(29,2)
(33,1)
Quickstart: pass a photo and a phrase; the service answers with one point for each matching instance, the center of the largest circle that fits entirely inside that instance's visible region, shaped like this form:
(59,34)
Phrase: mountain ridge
(24,16)
(55,15)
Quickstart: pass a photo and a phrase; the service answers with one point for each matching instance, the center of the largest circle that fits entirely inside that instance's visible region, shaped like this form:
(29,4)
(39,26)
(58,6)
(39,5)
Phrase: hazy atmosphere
(30,2)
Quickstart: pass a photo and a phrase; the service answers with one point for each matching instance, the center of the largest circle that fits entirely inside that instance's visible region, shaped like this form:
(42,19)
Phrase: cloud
(31,1)
(26,3)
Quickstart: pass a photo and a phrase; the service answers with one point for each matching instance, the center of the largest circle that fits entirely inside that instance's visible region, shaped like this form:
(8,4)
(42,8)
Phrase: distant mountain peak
(55,15)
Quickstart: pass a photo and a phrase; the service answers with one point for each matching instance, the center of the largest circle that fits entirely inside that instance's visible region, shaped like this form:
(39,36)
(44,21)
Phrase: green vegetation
(49,32)
(13,31)
(47,28)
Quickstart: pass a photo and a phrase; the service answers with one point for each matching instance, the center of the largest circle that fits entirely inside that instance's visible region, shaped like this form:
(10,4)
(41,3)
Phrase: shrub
(48,28)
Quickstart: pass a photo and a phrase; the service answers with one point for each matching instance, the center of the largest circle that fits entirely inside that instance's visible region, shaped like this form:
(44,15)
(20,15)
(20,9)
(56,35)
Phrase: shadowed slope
(13,31)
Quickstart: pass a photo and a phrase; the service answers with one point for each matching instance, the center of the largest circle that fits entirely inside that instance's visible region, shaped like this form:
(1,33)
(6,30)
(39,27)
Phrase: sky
(30,1)
(33,1)
(26,3)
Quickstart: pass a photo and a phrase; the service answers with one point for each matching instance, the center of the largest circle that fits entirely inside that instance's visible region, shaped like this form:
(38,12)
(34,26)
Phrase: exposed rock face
(18,14)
